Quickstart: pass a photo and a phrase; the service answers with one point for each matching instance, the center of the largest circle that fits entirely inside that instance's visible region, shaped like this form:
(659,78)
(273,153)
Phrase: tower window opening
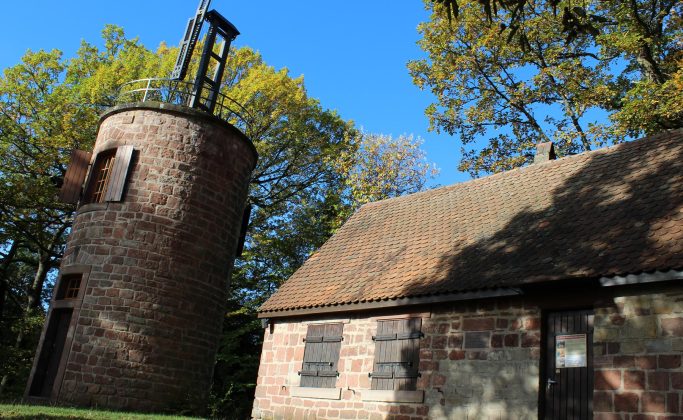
(101,176)
(69,286)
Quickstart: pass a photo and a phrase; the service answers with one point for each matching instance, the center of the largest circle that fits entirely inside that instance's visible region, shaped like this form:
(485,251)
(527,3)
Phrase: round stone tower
(137,312)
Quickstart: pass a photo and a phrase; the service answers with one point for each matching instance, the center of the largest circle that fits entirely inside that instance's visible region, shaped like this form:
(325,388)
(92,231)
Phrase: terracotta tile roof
(612,211)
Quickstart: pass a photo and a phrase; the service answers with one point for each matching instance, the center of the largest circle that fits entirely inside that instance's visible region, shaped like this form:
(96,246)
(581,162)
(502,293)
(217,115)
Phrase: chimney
(544,152)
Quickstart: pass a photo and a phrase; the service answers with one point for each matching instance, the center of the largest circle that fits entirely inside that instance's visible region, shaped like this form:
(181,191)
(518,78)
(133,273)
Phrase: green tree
(531,71)
(50,106)
(383,167)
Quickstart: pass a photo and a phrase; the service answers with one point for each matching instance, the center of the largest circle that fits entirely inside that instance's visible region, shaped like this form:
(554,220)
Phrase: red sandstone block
(455,341)
(624,361)
(511,340)
(532,323)
(677,380)
(607,416)
(439,342)
(501,323)
(658,381)
(425,354)
(603,361)
(443,328)
(428,365)
(531,339)
(424,380)
(627,401)
(672,326)
(653,402)
(643,417)
(406,409)
(634,379)
(440,354)
(422,410)
(646,362)
(607,379)
(602,401)
(478,324)
(673,402)
(455,325)
(438,380)
(669,361)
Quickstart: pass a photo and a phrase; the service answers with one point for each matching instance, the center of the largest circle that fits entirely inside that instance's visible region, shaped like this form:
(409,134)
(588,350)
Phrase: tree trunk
(36,289)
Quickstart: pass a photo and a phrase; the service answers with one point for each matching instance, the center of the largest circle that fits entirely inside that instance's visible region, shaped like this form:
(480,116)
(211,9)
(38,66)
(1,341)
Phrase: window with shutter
(108,175)
(321,356)
(397,354)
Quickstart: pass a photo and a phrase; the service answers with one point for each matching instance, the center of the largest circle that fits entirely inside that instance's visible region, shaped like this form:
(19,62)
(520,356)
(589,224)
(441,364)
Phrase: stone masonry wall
(159,261)
(477,362)
(638,345)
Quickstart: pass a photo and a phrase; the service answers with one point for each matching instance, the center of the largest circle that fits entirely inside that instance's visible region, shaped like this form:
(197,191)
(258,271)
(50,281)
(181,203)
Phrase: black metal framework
(218,26)
(204,92)
(187,44)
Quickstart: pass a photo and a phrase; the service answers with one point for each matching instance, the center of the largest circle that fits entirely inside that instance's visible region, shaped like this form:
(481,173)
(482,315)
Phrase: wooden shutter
(397,354)
(243,230)
(321,355)
(119,173)
(74,177)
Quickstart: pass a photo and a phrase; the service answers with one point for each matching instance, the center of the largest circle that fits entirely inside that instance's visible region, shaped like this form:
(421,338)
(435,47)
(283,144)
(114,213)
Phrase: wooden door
(51,353)
(568,381)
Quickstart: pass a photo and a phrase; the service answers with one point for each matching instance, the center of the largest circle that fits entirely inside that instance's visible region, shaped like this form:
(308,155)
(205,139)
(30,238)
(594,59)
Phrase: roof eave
(605,281)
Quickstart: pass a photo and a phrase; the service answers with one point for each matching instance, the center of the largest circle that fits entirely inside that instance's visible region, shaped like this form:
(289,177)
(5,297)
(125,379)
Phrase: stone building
(551,291)
(137,311)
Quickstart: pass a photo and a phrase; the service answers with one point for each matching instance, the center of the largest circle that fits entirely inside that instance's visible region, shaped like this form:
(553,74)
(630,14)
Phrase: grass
(26,412)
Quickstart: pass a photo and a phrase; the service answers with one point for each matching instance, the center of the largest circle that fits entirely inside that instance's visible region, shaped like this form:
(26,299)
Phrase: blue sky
(352,54)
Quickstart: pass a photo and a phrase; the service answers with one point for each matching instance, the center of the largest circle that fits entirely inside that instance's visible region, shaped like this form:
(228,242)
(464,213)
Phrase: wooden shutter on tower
(74,177)
(321,355)
(243,230)
(124,155)
(397,354)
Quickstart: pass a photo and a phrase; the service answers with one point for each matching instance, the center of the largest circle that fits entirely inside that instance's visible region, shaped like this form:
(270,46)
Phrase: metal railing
(178,92)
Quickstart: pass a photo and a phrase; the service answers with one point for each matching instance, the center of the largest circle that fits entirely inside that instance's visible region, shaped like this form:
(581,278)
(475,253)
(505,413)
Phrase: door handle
(550,383)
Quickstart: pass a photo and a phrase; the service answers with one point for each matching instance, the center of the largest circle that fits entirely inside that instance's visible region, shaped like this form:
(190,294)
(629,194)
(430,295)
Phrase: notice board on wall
(570,351)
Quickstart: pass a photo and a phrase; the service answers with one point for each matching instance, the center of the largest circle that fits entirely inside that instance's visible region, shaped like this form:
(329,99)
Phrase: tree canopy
(513,73)
(299,191)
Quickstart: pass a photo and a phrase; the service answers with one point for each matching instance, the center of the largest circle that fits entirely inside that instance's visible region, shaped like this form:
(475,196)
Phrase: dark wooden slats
(397,346)
(321,355)
(571,397)
(243,230)
(119,173)
(74,177)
